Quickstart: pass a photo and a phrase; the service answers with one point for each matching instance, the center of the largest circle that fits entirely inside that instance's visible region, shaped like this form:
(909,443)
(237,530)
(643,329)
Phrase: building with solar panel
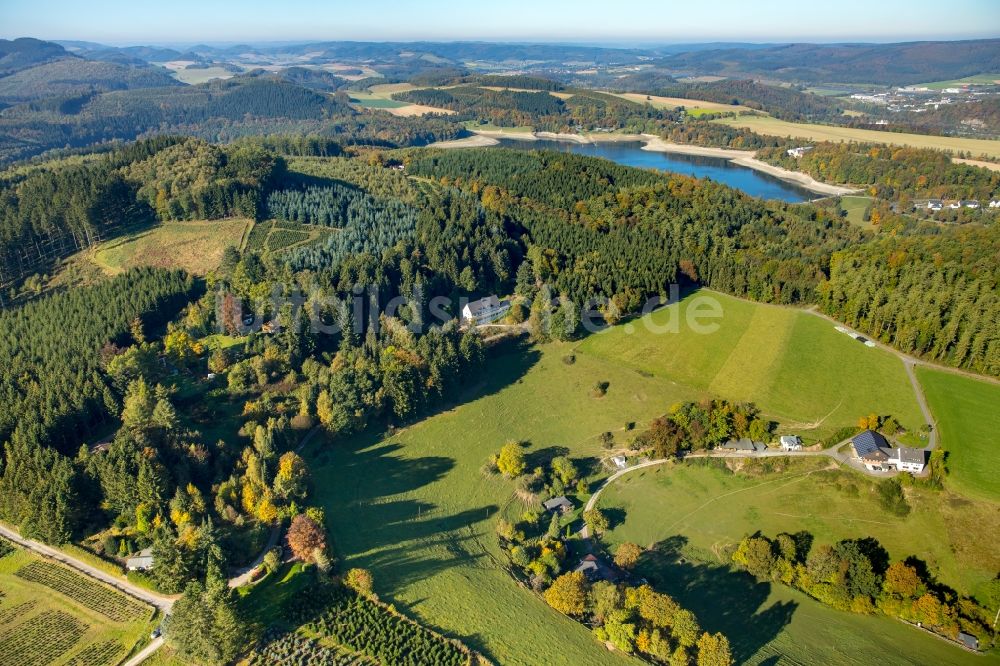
(877,455)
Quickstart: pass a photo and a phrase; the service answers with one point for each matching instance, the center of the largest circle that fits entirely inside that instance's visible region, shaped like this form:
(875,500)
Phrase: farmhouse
(798,152)
(906,459)
(141,562)
(594,568)
(934,204)
(874,451)
(621,462)
(560,504)
(485,310)
(871,448)
(791,443)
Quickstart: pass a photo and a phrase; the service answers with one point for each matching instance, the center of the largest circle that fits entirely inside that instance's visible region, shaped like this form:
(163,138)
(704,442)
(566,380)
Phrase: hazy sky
(146,21)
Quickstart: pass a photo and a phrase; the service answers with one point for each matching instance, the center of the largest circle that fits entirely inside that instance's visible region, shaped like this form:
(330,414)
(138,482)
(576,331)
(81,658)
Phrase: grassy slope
(712,509)
(194,246)
(968,419)
(809,132)
(415,509)
(793,365)
(101,629)
(855,208)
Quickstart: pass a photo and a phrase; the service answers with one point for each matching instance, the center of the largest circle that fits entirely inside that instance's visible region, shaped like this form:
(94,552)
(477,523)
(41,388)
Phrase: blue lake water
(720,170)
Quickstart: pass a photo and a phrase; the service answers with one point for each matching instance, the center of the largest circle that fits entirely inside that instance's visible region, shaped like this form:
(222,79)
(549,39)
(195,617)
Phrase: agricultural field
(809,132)
(380,97)
(799,370)
(275,235)
(968,420)
(690,513)
(51,615)
(693,106)
(195,246)
(414,508)
(855,208)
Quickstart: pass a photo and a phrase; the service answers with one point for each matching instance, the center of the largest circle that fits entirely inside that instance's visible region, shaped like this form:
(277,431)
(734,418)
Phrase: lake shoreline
(744,158)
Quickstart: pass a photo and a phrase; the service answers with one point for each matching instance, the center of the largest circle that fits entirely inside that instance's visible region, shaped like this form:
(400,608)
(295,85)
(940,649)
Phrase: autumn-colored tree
(568,593)
(595,520)
(902,580)
(291,480)
(511,462)
(304,537)
(627,555)
(713,650)
(927,610)
(359,580)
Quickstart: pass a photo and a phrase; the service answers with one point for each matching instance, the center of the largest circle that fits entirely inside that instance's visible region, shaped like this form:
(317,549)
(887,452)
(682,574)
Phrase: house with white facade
(485,310)
(875,453)
(791,443)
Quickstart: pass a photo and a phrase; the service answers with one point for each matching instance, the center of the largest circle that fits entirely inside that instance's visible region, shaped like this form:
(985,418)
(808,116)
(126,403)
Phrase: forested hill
(888,64)
(52,210)
(255,104)
(601,230)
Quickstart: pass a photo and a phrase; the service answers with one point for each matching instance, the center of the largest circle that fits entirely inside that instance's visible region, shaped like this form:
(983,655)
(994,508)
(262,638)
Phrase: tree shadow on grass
(724,600)
(543,457)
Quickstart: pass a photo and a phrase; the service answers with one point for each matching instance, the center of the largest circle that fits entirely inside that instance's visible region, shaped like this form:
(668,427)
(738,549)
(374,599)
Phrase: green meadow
(855,208)
(967,412)
(414,508)
(796,367)
(689,514)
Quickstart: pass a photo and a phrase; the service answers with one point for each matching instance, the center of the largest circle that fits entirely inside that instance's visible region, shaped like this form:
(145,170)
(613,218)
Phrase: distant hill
(75,76)
(26,52)
(887,64)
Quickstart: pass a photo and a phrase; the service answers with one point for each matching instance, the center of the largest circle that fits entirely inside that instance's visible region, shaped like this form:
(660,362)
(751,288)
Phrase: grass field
(372,101)
(693,106)
(774,127)
(51,615)
(196,247)
(968,420)
(793,365)
(855,208)
(414,508)
(978,79)
(694,511)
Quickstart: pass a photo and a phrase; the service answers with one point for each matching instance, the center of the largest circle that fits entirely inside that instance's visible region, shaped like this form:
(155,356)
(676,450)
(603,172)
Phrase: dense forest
(46,411)
(584,110)
(617,234)
(931,293)
(891,172)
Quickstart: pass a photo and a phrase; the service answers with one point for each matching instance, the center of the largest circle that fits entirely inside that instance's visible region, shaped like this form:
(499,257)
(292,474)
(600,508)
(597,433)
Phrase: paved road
(161,602)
